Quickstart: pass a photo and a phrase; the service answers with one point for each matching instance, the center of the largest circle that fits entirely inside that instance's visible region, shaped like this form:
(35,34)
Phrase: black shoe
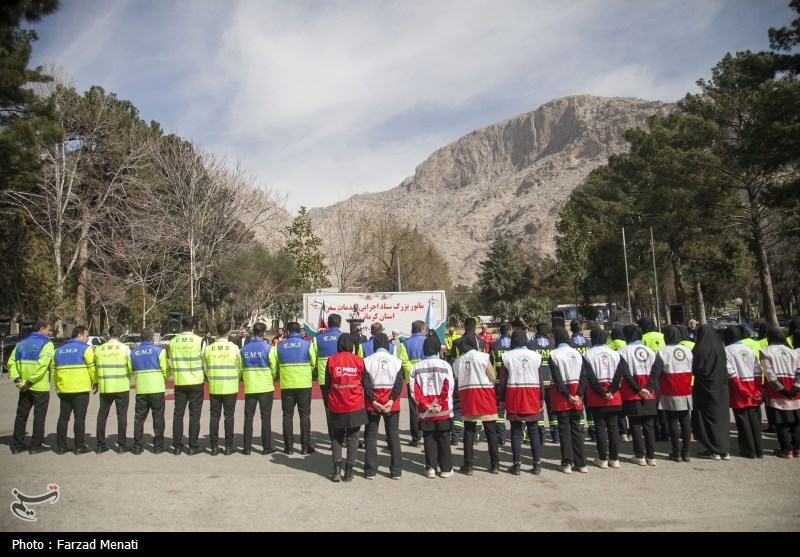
(337,471)
(158,450)
(494,470)
(195,450)
(288,450)
(19,449)
(515,469)
(101,449)
(246,452)
(685,456)
(269,450)
(414,443)
(308,450)
(83,449)
(177,450)
(36,449)
(214,450)
(136,451)
(537,469)
(348,473)
(674,457)
(123,449)
(228,451)
(466,470)
(61,450)
(501,442)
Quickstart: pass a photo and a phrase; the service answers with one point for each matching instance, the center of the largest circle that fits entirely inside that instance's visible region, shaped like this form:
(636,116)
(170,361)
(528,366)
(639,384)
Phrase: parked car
(96,341)
(131,340)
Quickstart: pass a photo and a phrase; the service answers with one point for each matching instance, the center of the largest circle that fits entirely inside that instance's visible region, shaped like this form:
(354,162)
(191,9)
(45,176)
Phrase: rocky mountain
(513,177)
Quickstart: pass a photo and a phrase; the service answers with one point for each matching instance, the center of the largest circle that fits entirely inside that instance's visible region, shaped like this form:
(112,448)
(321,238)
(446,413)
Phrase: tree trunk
(82,277)
(762,260)
(700,306)
(680,292)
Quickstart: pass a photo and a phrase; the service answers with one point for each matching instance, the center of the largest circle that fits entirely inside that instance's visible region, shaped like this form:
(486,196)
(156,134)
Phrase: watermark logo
(21,509)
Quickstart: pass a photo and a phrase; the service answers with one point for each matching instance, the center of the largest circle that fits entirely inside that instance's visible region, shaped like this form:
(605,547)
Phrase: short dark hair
(417,326)
(293,327)
(148,334)
(223,328)
(41,325)
(334,320)
(543,329)
(187,322)
(115,331)
(78,330)
(470,325)
(375,328)
(575,326)
(259,329)
(505,328)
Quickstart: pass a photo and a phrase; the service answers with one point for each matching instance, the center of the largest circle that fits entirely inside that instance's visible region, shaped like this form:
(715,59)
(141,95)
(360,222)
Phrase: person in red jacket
(431,387)
(601,365)
(673,366)
(566,395)
(344,377)
(744,383)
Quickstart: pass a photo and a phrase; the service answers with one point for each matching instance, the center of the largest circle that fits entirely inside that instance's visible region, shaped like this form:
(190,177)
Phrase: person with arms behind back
(74,375)
(188,374)
(113,363)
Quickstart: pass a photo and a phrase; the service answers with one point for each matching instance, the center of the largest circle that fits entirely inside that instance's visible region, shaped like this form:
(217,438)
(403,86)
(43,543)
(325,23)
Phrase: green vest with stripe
(257,375)
(112,361)
(186,359)
(223,367)
(150,368)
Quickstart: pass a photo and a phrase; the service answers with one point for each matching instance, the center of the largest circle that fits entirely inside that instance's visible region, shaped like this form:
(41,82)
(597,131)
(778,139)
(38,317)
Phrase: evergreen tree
(502,275)
(304,249)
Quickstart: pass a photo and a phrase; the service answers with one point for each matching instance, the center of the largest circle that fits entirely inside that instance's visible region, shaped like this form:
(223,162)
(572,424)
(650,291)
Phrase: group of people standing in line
(640,373)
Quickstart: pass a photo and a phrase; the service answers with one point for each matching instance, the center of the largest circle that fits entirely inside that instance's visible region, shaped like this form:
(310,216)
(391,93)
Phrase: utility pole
(627,282)
(655,279)
(399,289)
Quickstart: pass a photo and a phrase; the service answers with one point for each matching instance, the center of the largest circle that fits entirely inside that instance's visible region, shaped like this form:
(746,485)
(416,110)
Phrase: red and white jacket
(431,380)
(676,371)
(566,366)
(475,388)
(343,382)
(781,366)
(639,359)
(744,374)
(603,362)
(383,369)
(523,394)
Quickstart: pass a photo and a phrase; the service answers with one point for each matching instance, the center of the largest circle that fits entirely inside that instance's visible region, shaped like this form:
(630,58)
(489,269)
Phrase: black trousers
(341,436)
(302,399)
(457,432)
(436,440)
(327,416)
(121,400)
(77,403)
(680,430)
(264,402)
(193,396)
(145,403)
(222,404)
(391,425)
(748,426)
(606,423)
(571,438)
(643,430)
(413,417)
(789,436)
(516,440)
(27,400)
(491,438)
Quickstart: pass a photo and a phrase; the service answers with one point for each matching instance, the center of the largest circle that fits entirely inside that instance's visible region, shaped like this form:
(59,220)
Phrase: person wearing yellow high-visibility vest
(258,388)
(73,372)
(293,359)
(150,371)
(112,362)
(29,369)
(186,361)
(224,370)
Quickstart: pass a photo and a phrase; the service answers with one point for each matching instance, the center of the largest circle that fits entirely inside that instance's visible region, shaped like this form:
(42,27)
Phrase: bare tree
(346,245)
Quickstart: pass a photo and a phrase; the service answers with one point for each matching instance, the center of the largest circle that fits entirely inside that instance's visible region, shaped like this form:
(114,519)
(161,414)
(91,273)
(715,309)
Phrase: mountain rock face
(511,177)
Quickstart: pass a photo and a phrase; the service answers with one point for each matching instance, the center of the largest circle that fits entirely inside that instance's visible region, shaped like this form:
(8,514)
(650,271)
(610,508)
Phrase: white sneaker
(430,473)
(613,463)
(446,474)
(600,463)
(650,461)
(566,468)
(582,469)
(639,461)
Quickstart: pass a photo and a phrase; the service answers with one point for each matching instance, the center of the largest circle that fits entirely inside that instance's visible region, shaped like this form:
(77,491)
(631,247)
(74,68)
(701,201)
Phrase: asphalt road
(282,493)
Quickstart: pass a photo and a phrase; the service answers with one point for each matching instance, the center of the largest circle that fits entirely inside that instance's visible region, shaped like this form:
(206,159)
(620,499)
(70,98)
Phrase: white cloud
(326,98)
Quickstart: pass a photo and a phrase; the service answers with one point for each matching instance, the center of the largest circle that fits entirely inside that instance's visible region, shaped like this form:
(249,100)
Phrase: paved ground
(159,493)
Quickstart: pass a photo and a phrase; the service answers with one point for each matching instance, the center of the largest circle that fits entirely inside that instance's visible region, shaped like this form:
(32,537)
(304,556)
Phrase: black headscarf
(646,325)
(432,345)
(710,394)
(632,333)
(775,335)
(762,330)
(684,331)
(345,343)
(380,340)
(519,338)
(597,336)
(672,335)
(560,335)
(731,335)
(708,355)
(469,342)
(794,325)
(616,333)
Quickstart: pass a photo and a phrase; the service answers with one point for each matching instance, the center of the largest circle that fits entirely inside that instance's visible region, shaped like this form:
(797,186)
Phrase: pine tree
(304,249)
(502,276)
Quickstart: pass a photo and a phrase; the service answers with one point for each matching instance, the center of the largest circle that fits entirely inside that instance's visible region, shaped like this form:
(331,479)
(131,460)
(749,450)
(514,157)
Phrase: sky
(321,100)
